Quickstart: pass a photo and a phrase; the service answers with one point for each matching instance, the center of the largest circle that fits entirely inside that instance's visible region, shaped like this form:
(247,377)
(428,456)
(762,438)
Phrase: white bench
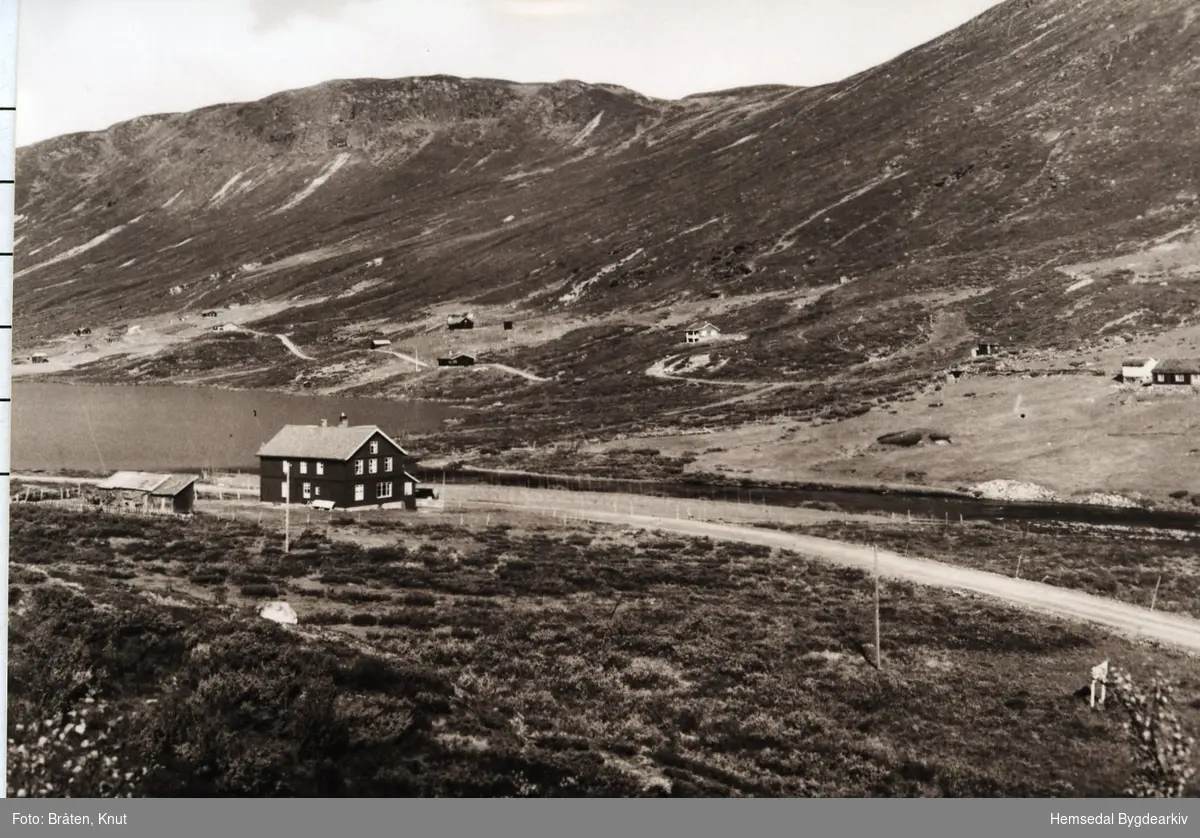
(327,505)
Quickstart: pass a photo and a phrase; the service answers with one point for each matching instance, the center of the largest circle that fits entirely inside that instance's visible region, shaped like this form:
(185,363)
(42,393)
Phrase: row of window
(372,465)
(1176,378)
(382,491)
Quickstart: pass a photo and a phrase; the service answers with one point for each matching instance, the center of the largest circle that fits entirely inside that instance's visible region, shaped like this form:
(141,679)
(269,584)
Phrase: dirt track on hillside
(1124,619)
(1128,620)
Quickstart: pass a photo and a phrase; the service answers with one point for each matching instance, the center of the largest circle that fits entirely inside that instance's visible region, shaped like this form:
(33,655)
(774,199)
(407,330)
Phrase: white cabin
(1137,369)
(702,332)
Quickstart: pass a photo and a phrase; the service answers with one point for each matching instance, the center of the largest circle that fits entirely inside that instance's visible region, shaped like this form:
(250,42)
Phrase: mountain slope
(864,231)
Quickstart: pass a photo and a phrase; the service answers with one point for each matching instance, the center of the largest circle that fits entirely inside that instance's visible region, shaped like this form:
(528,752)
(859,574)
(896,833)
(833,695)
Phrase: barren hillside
(861,235)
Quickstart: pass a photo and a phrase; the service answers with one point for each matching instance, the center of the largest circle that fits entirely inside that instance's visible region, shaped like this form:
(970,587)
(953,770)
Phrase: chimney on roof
(343,422)
(324,423)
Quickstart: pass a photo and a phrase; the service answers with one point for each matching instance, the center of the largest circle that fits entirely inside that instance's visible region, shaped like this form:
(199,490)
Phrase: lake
(109,427)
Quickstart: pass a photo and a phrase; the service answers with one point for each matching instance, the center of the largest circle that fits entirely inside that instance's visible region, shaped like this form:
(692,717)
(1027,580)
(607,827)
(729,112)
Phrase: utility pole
(287,504)
(878,655)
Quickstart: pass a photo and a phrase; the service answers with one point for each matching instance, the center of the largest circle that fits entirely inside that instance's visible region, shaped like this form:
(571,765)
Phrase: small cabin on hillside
(38,358)
(380,343)
(508,325)
(208,314)
(457,361)
(987,348)
(701,332)
(354,466)
(1137,369)
(460,321)
(86,330)
(1183,372)
(146,491)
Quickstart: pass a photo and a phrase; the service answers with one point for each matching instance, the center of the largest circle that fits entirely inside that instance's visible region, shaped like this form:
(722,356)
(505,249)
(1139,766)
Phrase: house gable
(388,447)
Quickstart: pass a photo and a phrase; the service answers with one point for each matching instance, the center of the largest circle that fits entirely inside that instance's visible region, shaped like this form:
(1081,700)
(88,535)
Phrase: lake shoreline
(100,428)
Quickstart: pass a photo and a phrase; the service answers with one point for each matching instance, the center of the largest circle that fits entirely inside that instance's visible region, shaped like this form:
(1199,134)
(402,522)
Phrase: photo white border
(8,103)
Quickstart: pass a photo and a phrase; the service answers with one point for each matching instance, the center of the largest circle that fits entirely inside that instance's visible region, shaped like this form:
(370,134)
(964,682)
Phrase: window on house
(1179,379)
(360,491)
(374,446)
(303,467)
(358,467)
(383,490)
(306,489)
(320,468)
(374,466)
(387,463)
(316,491)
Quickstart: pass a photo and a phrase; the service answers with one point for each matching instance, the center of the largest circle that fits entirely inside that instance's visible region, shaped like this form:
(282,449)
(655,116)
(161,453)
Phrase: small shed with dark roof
(1178,372)
(150,491)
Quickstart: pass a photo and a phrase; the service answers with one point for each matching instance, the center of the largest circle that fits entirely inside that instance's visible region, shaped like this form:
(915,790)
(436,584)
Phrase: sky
(84,65)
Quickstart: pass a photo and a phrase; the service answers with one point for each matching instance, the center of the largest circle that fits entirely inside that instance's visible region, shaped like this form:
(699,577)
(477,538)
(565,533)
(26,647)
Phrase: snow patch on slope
(177,244)
(588,129)
(71,253)
(577,291)
(317,182)
(50,243)
(223,192)
(736,143)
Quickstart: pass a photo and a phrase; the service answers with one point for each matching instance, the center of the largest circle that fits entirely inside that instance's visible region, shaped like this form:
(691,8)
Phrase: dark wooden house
(508,325)
(1178,372)
(353,466)
(209,314)
(457,361)
(460,321)
(987,348)
(145,491)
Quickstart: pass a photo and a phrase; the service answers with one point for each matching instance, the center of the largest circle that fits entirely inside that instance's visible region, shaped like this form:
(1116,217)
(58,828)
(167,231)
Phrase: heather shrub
(1162,749)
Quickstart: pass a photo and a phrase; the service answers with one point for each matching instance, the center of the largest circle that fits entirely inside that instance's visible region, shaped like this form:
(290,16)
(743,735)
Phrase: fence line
(79,504)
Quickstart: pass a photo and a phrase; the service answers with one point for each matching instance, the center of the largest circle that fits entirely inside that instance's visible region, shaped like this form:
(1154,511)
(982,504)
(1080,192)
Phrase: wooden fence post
(878,651)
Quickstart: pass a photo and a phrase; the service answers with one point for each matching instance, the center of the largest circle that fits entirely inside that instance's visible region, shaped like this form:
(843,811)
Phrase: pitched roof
(1188,365)
(1136,362)
(175,484)
(695,327)
(315,442)
(146,481)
